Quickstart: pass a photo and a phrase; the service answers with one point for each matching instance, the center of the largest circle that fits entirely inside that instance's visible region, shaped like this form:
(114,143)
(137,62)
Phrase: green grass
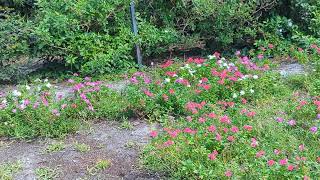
(46,173)
(55,147)
(81,147)
(8,170)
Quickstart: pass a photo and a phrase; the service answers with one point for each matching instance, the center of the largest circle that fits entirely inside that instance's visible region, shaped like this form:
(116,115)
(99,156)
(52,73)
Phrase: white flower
(251,90)
(225,64)
(219,62)
(255,76)
(188,85)
(39,88)
(192,72)
(28,87)
(16,93)
(242,93)
(46,80)
(48,85)
(211,57)
(4,101)
(198,65)
(22,106)
(167,80)
(234,95)
(37,80)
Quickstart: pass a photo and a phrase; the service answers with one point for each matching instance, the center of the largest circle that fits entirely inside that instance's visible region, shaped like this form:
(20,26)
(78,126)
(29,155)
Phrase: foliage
(237,120)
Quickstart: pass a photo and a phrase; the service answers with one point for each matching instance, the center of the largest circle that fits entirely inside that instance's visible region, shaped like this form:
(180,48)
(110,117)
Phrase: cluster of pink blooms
(221,128)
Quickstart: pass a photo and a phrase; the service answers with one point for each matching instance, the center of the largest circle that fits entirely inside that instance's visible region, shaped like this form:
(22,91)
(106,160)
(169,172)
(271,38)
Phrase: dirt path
(103,141)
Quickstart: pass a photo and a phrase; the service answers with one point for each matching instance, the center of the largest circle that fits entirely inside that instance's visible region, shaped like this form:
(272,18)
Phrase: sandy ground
(107,142)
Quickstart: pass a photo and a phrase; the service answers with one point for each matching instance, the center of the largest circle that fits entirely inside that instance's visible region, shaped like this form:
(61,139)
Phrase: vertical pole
(135,31)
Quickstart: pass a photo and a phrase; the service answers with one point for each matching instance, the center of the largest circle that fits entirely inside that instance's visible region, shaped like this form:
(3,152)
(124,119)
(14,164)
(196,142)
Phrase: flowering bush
(234,118)
(40,110)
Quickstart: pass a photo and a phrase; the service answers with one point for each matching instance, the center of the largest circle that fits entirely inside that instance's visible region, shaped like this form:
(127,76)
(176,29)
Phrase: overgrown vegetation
(95,37)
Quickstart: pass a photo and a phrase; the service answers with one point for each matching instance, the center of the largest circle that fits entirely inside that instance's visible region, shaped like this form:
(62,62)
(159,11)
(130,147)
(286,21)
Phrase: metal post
(135,31)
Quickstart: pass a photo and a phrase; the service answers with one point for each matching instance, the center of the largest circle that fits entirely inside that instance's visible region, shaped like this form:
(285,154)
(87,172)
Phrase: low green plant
(81,147)
(8,170)
(46,173)
(99,166)
(55,147)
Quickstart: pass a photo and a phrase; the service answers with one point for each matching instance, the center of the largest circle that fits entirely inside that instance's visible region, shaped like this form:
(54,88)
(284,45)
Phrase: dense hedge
(94,36)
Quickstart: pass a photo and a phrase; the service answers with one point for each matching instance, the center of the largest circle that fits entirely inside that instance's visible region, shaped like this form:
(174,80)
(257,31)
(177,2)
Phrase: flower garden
(220,117)
(226,89)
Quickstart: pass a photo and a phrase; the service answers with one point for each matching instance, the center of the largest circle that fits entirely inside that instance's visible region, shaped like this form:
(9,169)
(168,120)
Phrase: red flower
(167,64)
(171,74)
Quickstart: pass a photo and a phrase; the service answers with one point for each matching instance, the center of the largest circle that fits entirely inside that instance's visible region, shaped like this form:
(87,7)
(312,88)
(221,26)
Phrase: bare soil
(107,141)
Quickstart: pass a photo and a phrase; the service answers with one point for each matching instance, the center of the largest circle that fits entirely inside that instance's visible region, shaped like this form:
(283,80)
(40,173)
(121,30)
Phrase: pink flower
(270,46)
(71,81)
(174,133)
(251,114)
(254,142)
(168,143)
(167,64)
(314,129)
(212,115)
(234,129)
(87,78)
(228,173)
(211,128)
(148,93)
(212,156)
(292,122)
(271,162)
(231,138)
(189,131)
(247,127)
(14,110)
(238,53)
(153,134)
(171,91)
(218,137)
(260,56)
(260,154)
(225,119)
(277,152)
(301,147)
(283,162)
(279,119)
(189,118)
(165,97)
(202,120)
(63,106)
(290,167)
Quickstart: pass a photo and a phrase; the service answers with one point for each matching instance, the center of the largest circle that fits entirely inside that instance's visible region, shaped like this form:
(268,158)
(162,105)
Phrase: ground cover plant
(234,118)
